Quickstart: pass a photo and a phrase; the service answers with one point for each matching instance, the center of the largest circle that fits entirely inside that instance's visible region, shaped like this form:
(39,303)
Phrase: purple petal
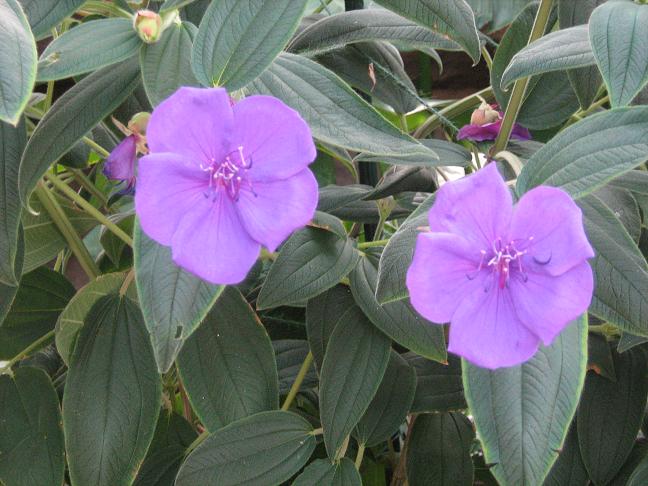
(549,222)
(520,133)
(211,242)
(546,304)
(169,186)
(194,122)
(479,133)
(443,272)
(487,332)
(477,207)
(275,209)
(120,164)
(274,136)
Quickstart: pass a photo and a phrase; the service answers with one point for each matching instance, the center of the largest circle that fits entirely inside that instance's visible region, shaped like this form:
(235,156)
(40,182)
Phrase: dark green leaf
(173,4)
(43,15)
(321,472)
(311,261)
(599,356)
(83,48)
(640,475)
(228,366)
(72,116)
(236,40)
(354,364)
(442,153)
(438,385)
(112,369)
(568,468)
(439,450)
(174,302)
(18,61)
(290,354)
(31,439)
(522,413)
(637,454)
(266,448)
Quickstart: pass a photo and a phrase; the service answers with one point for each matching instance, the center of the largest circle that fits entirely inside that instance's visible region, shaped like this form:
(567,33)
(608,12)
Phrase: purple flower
(120,164)
(485,124)
(506,278)
(222,180)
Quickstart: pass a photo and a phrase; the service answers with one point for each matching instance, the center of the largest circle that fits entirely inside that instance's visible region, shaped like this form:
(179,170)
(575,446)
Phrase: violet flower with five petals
(222,180)
(506,277)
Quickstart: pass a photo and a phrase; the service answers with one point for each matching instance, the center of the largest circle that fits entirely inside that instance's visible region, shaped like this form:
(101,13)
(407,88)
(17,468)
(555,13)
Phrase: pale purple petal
(546,304)
(169,186)
(487,332)
(212,243)
(444,271)
(271,211)
(479,133)
(548,223)
(520,133)
(274,137)
(120,164)
(194,122)
(477,207)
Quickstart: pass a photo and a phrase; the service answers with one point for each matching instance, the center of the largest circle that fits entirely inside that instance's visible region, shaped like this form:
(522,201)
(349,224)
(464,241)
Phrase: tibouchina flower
(222,180)
(485,124)
(120,164)
(505,277)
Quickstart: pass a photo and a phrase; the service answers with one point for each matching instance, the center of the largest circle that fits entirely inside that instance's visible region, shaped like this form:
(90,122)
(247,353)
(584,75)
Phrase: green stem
(359,456)
(67,230)
(487,57)
(298,381)
(579,115)
(520,86)
(39,343)
(197,442)
(96,147)
(87,184)
(372,244)
(323,6)
(89,208)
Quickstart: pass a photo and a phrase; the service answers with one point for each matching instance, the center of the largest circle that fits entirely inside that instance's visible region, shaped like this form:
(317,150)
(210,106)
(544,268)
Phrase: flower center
(502,259)
(229,174)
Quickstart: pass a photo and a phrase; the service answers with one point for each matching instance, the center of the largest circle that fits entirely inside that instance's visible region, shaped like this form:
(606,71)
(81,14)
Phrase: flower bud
(148,26)
(483,115)
(138,123)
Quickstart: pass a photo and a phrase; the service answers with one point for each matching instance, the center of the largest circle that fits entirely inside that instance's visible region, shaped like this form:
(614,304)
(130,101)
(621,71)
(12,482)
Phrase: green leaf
(390,405)
(568,468)
(18,61)
(558,51)
(442,153)
(397,319)
(640,475)
(321,472)
(522,413)
(311,261)
(31,439)
(112,368)
(166,65)
(12,144)
(453,18)
(174,302)
(619,38)
(83,48)
(236,40)
(7,296)
(44,15)
(354,364)
(336,31)
(438,385)
(72,116)
(42,295)
(439,450)
(266,448)
(70,321)
(174,4)
(616,408)
(637,454)
(290,355)
(334,112)
(634,181)
(621,273)
(590,153)
(227,366)
(323,313)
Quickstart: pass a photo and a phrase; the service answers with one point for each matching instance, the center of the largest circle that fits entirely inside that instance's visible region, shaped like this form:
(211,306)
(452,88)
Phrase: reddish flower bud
(148,26)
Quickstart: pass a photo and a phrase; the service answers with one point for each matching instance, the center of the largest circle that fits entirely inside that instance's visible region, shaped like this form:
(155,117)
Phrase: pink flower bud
(139,122)
(148,26)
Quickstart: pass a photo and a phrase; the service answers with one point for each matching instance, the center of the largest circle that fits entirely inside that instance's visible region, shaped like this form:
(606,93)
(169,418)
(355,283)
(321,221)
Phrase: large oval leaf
(568,468)
(266,448)
(588,154)
(354,364)
(31,439)
(438,385)
(43,15)
(236,40)
(166,65)
(112,369)
(72,116)
(174,301)
(522,413)
(619,37)
(453,18)
(616,407)
(334,112)
(397,319)
(18,61)
(311,261)
(321,472)
(84,48)
(12,144)
(228,366)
